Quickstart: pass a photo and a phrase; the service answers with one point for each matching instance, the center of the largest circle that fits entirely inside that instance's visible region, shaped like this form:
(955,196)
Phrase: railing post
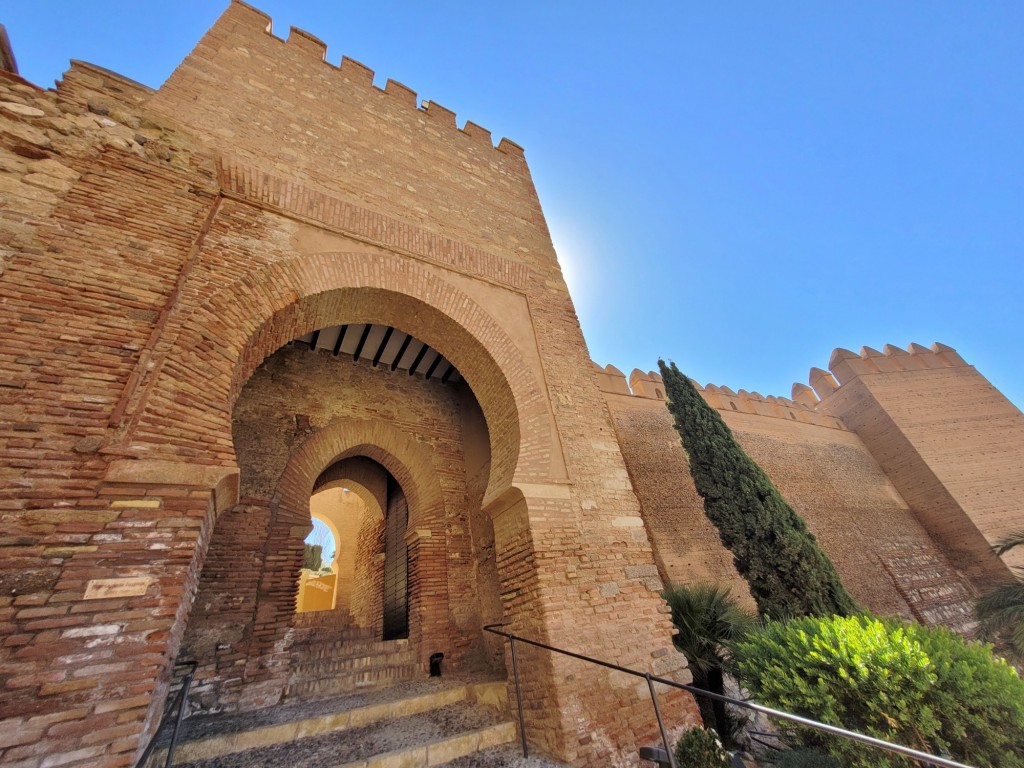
(519,697)
(661,723)
(182,700)
(179,700)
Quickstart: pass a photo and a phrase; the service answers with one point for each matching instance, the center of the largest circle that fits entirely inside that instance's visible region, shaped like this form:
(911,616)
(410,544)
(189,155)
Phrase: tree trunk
(706,706)
(716,684)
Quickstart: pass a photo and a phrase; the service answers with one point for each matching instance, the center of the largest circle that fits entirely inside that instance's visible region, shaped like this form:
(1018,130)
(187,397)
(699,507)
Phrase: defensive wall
(157,247)
(952,444)
(904,463)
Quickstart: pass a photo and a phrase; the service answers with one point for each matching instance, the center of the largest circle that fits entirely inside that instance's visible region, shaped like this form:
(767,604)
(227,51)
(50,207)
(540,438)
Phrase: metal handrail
(833,730)
(179,702)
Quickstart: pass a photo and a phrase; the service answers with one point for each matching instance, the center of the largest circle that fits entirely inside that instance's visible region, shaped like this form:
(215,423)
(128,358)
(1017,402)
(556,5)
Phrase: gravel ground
(359,743)
(508,756)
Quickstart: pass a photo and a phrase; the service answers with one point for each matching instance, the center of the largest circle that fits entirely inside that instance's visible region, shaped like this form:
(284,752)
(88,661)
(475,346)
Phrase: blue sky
(740,187)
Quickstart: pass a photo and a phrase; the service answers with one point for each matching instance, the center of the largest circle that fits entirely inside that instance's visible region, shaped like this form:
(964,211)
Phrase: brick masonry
(884,516)
(158,247)
(951,442)
(159,251)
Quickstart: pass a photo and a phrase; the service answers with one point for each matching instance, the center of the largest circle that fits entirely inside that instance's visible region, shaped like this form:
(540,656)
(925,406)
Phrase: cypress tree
(312,557)
(788,573)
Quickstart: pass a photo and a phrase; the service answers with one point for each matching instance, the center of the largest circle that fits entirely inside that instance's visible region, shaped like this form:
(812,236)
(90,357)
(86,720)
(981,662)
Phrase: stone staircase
(330,657)
(430,722)
(354,701)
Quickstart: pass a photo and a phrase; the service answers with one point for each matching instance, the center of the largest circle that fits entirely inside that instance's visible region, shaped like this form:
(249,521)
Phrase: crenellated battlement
(242,16)
(649,386)
(725,399)
(845,365)
(610,379)
(642,385)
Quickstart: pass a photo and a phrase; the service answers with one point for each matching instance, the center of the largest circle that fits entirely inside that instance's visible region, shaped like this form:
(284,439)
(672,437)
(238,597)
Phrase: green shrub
(312,556)
(708,618)
(700,748)
(788,573)
(806,758)
(921,687)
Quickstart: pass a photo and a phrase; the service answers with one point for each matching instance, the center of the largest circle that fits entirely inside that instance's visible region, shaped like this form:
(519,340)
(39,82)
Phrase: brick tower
(206,292)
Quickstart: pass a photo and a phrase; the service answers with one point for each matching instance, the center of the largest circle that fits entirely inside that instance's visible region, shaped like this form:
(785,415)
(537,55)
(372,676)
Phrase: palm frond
(707,619)
(1001,616)
(1008,598)
(1009,541)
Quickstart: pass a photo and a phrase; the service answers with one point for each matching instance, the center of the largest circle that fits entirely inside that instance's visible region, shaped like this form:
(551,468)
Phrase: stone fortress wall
(157,247)
(903,463)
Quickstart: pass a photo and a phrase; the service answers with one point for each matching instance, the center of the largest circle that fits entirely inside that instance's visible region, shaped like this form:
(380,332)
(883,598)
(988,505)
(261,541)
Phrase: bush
(921,687)
(700,748)
(788,573)
(806,758)
(708,619)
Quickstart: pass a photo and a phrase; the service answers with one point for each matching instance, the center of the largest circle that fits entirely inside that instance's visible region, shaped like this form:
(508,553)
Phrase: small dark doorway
(396,564)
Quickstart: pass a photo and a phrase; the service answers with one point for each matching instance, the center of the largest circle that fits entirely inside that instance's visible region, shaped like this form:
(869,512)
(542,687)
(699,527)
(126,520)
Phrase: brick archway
(372,505)
(412,463)
(407,458)
(360,537)
(222,341)
(364,480)
(180,413)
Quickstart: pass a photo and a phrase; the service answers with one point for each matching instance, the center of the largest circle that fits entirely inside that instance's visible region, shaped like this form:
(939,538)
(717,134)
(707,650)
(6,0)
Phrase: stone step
(435,723)
(308,687)
(367,747)
(347,648)
(336,636)
(502,756)
(304,621)
(337,616)
(339,633)
(330,669)
(338,664)
(342,663)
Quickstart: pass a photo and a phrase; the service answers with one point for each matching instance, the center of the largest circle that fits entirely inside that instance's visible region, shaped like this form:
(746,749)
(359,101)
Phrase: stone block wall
(686,545)
(367,606)
(94,566)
